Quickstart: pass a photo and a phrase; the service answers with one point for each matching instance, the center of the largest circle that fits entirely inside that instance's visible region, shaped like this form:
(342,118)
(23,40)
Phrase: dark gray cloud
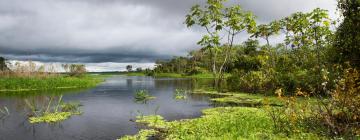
(114,30)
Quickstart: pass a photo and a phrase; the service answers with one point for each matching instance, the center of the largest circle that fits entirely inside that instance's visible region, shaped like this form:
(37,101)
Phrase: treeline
(312,57)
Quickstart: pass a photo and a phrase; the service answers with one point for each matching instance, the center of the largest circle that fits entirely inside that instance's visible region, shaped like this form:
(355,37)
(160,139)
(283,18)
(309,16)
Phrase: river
(107,109)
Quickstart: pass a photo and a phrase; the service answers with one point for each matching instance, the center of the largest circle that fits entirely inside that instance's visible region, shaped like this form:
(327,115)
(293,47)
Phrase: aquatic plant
(220,123)
(180,94)
(142,135)
(54,112)
(154,121)
(142,96)
(52,117)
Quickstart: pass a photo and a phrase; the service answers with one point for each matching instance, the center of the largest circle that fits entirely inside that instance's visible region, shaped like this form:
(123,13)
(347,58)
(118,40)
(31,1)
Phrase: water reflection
(107,109)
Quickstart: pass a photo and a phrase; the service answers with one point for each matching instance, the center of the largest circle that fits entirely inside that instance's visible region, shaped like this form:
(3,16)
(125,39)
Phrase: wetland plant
(54,112)
(142,96)
(180,94)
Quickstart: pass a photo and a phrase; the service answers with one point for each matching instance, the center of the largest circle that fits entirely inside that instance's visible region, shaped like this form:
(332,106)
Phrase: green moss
(52,117)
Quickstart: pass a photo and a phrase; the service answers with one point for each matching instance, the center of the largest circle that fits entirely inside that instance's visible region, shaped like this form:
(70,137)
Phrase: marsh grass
(180,94)
(52,112)
(14,84)
(143,96)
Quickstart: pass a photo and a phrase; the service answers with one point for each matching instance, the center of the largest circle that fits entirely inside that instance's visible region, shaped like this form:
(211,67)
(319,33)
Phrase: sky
(107,35)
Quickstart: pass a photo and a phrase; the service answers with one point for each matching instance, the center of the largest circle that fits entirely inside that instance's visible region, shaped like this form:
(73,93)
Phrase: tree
(220,21)
(139,69)
(129,68)
(308,34)
(347,38)
(66,67)
(266,30)
(77,69)
(3,66)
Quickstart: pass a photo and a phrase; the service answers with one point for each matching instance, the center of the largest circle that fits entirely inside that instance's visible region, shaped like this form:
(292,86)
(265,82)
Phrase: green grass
(48,83)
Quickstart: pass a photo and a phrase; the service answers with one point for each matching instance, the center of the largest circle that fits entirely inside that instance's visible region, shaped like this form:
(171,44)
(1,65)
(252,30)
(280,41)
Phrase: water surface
(107,109)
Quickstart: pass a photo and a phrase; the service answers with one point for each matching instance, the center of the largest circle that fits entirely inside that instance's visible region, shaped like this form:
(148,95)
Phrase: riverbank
(18,84)
(174,75)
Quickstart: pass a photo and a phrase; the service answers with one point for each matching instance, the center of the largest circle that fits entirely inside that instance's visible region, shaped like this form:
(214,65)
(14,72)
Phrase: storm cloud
(120,31)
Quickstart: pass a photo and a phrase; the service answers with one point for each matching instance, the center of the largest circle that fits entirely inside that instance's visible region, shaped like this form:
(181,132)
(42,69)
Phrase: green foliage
(347,39)
(142,96)
(253,81)
(219,20)
(47,83)
(341,114)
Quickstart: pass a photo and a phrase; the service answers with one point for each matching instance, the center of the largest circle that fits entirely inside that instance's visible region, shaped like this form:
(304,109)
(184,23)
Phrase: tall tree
(129,68)
(347,40)
(222,25)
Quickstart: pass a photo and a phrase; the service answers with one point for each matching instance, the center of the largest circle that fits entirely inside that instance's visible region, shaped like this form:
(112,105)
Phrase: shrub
(341,114)
(253,81)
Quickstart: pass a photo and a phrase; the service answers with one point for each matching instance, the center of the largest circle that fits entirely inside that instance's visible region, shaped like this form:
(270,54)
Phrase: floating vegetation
(54,112)
(154,121)
(218,123)
(180,94)
(142,96)
(52,117)
(142,135)
(240,99)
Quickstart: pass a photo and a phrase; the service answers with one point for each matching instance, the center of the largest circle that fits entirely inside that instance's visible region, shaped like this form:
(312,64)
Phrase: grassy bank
(48,83)
(217,123)
(241,116)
